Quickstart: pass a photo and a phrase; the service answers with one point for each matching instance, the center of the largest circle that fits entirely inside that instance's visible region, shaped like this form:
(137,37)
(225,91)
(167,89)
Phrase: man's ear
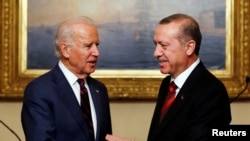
(64,49)
(190,47)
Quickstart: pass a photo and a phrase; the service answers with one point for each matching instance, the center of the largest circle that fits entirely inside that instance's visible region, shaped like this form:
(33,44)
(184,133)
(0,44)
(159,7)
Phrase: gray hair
(65,31)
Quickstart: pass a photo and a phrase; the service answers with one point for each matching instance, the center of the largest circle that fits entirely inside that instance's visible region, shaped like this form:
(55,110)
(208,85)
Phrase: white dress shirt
(180,79)
(72,80)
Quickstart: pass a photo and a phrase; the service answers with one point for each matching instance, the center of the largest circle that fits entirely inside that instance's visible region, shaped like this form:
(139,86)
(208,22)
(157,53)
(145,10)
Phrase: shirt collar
(71,78)
(180,79)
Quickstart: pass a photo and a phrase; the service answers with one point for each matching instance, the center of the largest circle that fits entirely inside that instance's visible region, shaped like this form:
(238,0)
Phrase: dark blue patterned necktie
(85,106)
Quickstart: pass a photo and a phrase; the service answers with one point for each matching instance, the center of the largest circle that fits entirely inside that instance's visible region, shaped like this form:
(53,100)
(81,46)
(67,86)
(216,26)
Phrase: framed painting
(138,79)
(126,32)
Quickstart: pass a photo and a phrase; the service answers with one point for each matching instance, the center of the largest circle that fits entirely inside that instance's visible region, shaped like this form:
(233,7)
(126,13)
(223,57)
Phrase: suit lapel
(95,92)
(67,96)
(182,96)
(173,110)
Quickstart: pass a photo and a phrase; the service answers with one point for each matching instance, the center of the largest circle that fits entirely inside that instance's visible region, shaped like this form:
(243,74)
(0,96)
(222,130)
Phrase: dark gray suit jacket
(201,104)
(51,111)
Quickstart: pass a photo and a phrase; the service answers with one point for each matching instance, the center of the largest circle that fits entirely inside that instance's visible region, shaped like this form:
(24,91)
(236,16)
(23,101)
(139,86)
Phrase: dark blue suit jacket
(51,111)
(201,104)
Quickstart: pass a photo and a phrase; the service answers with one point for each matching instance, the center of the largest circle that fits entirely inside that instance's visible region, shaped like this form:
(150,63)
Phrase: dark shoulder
(94,81)
(166,79)
(45,79)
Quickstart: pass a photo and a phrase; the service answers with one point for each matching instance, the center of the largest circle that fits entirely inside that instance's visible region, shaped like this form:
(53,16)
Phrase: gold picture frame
(122,84)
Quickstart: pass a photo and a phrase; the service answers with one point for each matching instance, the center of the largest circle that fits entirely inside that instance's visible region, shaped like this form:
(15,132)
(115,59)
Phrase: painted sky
(50,12)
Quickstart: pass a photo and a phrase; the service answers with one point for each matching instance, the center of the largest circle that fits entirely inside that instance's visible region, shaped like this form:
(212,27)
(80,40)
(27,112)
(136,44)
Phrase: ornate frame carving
(127,84)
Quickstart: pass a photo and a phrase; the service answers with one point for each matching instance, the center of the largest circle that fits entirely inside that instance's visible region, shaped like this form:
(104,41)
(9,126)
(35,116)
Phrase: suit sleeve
(36,117)
(211,109)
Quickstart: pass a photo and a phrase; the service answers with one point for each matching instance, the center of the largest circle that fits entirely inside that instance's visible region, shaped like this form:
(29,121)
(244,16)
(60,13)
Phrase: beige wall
(129,119)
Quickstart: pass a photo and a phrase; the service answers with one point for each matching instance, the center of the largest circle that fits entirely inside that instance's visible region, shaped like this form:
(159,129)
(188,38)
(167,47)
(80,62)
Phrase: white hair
(65,31)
